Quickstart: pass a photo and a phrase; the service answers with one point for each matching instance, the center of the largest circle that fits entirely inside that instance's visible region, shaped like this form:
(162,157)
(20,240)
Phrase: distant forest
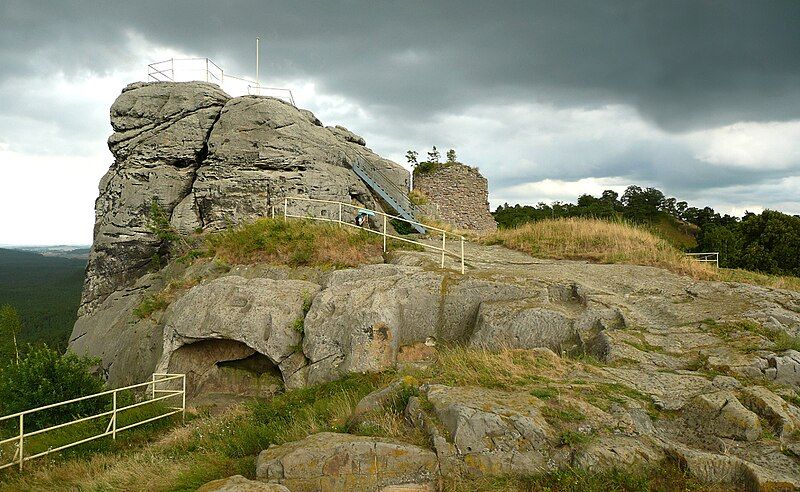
(45,291)
(768,242)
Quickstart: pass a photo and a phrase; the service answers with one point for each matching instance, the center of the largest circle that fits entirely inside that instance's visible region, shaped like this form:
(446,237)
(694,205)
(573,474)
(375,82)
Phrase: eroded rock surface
(263,314)
(333,462)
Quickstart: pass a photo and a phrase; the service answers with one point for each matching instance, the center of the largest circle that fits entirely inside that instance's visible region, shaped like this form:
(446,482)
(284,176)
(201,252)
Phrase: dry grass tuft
(755,278)
(599,241)
(503,369)
(295,243)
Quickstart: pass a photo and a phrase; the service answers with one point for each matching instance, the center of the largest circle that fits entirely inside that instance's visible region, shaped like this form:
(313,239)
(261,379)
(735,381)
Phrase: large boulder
(722,414)
(265,316)
(333,462)
(363,317)
(494,432)
(128,346)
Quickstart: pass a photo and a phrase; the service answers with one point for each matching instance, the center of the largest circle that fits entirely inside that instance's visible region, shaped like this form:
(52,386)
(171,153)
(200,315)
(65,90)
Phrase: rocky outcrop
(332,462)
(159,141)
(188,155)
(209,160)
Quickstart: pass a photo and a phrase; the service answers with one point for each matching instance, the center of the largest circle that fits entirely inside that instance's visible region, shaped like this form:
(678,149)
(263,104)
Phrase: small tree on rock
(433,155)
(411,157)
(451,156)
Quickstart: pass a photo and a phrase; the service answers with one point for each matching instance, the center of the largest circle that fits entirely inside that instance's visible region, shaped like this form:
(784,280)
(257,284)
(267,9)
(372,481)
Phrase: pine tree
(411,157)
(451,156)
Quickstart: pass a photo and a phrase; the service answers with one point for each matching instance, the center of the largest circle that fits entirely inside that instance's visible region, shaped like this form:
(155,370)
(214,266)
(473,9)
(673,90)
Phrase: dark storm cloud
(520,69)
(684,64)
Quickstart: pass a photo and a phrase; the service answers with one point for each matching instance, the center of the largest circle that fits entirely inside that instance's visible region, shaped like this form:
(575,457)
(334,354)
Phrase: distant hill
(64,251)
(45,291)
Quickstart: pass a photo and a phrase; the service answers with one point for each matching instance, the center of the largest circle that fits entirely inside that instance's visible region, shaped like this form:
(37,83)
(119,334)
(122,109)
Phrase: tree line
(768,242)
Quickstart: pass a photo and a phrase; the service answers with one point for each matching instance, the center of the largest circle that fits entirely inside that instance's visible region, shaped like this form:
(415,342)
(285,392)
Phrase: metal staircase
(394,195)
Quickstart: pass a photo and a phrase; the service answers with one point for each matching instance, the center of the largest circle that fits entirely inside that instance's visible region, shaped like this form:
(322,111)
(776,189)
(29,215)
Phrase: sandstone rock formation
(208,160)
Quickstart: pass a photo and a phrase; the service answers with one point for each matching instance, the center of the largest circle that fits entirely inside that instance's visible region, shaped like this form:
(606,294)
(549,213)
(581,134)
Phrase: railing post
(206,69)
(462,255)
(183,402)
(114,415)
(340,214)
(21,439)
(272,211)
(153,388)
(285,207)
(444,235)
(384,234)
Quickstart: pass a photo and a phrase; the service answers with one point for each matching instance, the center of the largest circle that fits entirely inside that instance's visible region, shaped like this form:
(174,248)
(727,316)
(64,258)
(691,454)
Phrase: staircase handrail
(385,232)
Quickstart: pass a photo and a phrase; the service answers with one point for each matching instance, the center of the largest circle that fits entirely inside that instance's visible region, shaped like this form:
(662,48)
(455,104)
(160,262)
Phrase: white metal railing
(204,69)
(705,257)
(18,441)
(342,211)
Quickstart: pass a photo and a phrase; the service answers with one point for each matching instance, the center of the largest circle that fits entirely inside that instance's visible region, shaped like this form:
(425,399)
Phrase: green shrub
(43,376)
(402,227)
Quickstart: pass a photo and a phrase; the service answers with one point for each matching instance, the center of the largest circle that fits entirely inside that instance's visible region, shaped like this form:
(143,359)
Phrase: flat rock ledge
(238,483)
(330,461)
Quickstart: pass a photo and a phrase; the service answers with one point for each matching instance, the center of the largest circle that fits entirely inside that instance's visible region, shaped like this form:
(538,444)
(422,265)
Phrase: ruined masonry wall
(461,194)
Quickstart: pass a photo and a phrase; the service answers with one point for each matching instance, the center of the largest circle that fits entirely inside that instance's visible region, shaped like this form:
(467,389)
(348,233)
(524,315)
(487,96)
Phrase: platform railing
(705,257)
(154,388)
(345,213)
(204,69)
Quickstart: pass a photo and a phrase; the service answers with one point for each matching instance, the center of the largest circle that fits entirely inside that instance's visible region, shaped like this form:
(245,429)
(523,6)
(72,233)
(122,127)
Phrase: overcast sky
(700,99)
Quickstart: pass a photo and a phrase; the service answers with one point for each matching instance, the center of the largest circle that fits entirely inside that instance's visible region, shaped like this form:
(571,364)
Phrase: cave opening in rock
(256,363)
(217,368)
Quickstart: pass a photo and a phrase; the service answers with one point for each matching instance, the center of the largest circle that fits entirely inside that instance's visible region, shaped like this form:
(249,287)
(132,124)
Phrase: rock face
(460,195)
(159,141)
(209,160)
(205,160)
(332,462)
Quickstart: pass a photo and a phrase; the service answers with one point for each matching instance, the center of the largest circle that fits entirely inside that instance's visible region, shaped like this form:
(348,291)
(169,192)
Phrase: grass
(160,301)
(741,330)
(564,413)
(207,448)
(297,243)
(665,476)
(505,369)
(599,241)
(605,241)
(756,278)
(417,197)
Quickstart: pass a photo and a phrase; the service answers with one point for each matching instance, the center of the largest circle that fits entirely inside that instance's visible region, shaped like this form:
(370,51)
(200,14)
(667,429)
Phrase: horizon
(564,100)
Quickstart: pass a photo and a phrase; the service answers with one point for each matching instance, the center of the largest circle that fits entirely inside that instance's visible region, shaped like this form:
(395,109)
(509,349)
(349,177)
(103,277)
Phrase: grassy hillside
(605,241)
(45,291)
